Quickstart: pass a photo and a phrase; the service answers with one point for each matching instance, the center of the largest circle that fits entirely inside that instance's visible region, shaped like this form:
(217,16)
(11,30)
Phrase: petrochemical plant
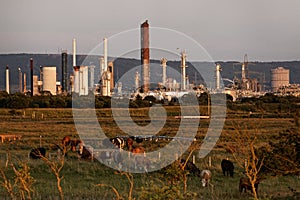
(82,81)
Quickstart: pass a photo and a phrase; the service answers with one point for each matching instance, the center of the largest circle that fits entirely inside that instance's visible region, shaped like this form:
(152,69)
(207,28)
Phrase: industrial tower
(145,56)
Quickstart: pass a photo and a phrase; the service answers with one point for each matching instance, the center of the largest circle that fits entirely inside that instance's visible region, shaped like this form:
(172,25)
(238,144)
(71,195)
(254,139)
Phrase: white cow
(205,177)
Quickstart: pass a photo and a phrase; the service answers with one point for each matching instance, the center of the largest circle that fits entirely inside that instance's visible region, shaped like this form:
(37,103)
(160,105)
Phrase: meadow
(46,127)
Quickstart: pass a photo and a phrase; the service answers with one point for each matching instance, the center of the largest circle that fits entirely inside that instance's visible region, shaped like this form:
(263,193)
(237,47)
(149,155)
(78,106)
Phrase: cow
(37,153)
(118,142)
(66,141)
(245,185)
(84,153)
(74,143)
(205,177)
(191,167)
(227,167)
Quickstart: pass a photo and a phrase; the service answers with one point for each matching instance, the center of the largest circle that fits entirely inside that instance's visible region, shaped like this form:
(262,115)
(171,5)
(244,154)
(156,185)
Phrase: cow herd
(83,152)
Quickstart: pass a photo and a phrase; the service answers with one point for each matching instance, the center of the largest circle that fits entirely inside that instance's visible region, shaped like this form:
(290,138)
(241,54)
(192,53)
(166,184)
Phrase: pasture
(46,127)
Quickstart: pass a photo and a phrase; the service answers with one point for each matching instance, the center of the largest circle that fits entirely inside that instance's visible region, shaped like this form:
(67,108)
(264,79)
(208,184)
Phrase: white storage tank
(279,77)
(49,79)
(83,80)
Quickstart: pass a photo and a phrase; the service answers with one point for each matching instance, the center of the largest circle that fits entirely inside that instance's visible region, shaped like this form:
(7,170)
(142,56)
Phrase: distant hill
(259,70)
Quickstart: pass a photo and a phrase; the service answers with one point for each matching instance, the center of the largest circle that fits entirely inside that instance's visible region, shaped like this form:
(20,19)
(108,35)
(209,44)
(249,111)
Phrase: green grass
(80,177)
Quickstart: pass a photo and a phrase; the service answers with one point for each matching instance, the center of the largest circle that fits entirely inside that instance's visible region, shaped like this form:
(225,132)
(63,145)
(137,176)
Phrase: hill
(259,70)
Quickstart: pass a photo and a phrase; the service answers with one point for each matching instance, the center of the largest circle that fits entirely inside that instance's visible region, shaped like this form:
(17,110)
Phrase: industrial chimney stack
(31,76)
(145,56)
(7,79)
(64,68)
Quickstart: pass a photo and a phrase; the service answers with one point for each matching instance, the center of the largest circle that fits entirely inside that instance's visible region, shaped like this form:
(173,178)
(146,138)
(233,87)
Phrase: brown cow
(245,185)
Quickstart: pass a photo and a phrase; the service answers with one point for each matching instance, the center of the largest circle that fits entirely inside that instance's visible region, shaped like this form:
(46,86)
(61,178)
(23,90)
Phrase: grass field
(48,126)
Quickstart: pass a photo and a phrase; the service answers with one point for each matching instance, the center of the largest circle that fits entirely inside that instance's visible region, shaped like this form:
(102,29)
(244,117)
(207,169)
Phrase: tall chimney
(64,68)
(25,83)
(183,72)
(7,79)
(74,52)
(105,53)
(31,75)
(20,80)
(145,56)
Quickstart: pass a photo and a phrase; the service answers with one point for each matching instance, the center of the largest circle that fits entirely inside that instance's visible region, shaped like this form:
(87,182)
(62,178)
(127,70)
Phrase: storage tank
(279,77)
(49,79)
(83,80)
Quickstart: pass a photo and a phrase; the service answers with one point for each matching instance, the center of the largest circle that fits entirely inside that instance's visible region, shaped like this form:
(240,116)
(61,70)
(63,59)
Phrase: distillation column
(163,63)
(183,72)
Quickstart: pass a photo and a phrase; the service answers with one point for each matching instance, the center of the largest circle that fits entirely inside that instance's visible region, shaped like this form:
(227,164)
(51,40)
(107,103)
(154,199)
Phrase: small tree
(19,186)
(245,153)
(56,165)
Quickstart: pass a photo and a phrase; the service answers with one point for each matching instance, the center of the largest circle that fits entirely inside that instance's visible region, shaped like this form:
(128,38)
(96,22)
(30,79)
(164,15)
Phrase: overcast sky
(227,29)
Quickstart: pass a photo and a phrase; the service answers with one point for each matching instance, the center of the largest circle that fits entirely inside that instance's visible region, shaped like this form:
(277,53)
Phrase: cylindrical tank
(49,79)
(279,77)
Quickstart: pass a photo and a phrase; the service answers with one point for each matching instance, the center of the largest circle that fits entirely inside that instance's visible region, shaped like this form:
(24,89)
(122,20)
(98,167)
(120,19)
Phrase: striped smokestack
(145,56)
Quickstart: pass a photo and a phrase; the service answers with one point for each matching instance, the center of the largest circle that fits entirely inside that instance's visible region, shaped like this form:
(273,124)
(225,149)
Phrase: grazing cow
(205,177)
(137,150)
(191,167)
(245,185)
(129,143)
(119,142)
(74,143)
(84,153)
(66,141)
(37,153)
(227,167)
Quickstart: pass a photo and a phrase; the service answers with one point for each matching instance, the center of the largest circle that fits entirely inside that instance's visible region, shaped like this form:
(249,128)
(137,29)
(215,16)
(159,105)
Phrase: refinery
(82,80)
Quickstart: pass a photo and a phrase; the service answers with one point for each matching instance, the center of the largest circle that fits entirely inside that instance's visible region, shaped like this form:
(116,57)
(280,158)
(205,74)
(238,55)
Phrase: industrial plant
(82,80)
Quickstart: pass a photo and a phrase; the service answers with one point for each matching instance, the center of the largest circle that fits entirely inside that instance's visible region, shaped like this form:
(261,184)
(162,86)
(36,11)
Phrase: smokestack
(105,53)
(74,52)
(31,75)
(145,56)
(218,76)
(25,83)
(20,80)
(64,68)
(7,79)
(183,66)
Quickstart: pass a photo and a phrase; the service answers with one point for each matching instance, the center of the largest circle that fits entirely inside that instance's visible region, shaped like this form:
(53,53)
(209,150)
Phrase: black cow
(85,153)
(37,153)
(227,167)
(191,167)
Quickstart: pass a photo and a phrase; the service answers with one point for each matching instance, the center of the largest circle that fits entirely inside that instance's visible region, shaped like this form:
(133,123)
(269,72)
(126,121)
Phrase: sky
(265,30)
